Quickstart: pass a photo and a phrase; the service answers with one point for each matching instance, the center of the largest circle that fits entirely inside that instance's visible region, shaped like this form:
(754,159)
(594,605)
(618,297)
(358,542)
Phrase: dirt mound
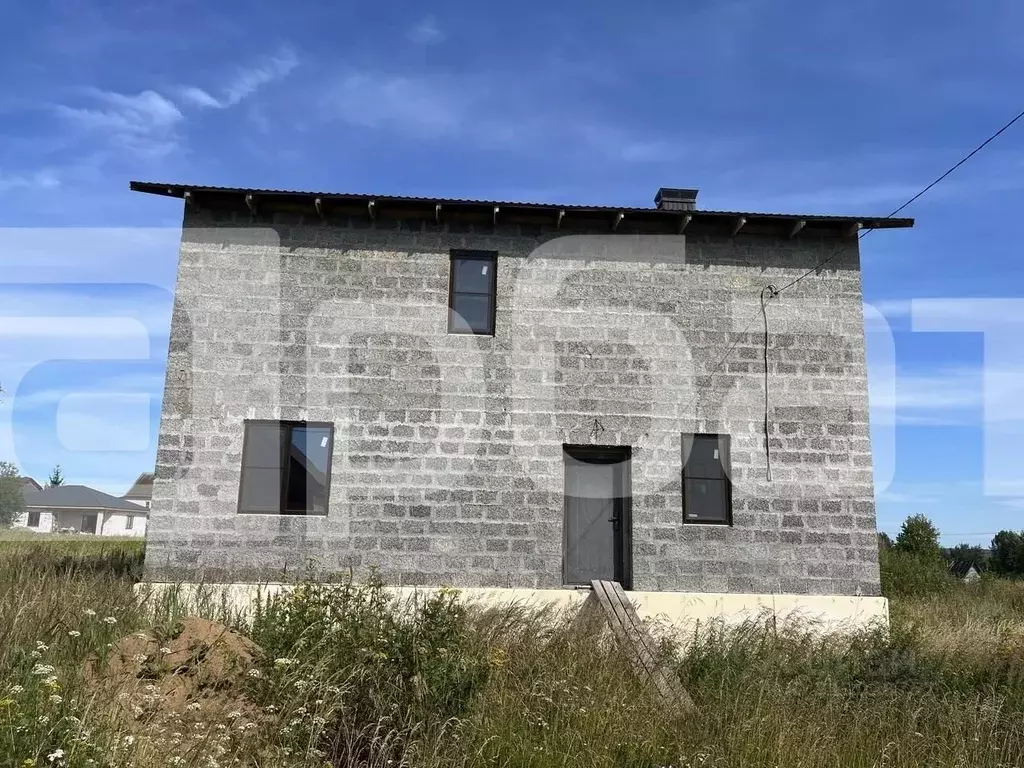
(193,671)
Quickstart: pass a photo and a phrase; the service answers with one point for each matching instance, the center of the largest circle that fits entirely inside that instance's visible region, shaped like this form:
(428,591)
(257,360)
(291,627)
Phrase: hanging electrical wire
(770,291)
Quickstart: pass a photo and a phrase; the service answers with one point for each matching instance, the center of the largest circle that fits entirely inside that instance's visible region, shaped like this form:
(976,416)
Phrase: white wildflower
(89,612)
(43,669)
(56,699)
(36,655)
(51,681)
(17,689)
(165,649)
(41,646)
(285,662)
(254,673)
(57,754)
(43,719)
(74,633)
(140,658)
(110,620)
(129,740)
(195,705)
(234,715)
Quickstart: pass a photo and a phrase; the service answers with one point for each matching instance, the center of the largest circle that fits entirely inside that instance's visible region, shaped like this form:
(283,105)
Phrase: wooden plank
(621,626)
(637,634)
(665,679)
(636,642)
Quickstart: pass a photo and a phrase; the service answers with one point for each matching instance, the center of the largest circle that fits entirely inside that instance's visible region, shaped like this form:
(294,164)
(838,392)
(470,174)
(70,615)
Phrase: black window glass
(471,294)
(707,490)
(470,314)
(472,275)
(286,468)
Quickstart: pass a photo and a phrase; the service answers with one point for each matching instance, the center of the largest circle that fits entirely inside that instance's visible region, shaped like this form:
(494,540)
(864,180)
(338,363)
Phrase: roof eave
(254,200)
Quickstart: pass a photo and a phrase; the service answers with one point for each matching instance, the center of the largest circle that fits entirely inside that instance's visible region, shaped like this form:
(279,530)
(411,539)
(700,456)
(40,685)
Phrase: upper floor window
(707,490)
(472,286)
(286,467)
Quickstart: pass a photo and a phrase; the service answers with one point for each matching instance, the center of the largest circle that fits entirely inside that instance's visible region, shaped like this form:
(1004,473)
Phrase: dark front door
(597,514)
(88,523)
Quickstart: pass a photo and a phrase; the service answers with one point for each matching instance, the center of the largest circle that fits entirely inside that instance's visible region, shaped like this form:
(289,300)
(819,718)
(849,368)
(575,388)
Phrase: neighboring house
(83,509)
(141,492)
(28,485)
(964,571)
(492,394)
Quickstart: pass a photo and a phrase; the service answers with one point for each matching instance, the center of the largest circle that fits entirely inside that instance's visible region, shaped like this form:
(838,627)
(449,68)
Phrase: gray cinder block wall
(447,465)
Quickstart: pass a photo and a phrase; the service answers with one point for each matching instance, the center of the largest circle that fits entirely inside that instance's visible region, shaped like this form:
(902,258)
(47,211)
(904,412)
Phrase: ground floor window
(129,522)
(33,519)
(286,467)
(707,490)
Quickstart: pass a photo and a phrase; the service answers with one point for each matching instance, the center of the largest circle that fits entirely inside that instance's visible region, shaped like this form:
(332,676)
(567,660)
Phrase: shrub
(905,574)
(379,671)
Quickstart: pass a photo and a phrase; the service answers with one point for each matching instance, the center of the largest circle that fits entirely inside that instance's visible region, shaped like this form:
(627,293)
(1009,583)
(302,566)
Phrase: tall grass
(351,677)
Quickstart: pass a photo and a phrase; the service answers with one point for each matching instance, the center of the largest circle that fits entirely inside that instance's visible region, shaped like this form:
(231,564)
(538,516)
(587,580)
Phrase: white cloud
(49,257)
(245,81)
(431,105)
(200,98)
(426,32)
(145,123)
(42,179)
(108,421)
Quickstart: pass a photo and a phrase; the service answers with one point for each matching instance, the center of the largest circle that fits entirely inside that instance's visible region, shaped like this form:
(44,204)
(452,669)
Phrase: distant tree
(56,478)
(12,502)
(1008,553)
(919,537)
(884,541)
(967,555)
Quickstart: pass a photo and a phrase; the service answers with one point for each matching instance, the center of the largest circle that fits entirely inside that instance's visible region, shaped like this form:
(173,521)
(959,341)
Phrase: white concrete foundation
(682,610)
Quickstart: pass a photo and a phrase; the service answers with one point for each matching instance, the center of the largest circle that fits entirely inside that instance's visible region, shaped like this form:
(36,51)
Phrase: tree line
(919,537)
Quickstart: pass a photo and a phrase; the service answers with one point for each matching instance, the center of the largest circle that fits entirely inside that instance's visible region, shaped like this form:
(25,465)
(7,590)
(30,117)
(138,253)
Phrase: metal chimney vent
(669,199)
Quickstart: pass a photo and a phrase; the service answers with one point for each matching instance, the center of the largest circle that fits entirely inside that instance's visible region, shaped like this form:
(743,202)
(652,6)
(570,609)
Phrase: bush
(377,670)
(906,574)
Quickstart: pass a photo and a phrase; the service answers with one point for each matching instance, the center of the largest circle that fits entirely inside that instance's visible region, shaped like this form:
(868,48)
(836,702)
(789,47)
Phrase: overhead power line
(913,199)
(945,174)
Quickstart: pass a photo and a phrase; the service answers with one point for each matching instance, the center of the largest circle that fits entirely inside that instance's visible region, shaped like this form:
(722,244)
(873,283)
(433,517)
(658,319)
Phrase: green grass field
(348,679)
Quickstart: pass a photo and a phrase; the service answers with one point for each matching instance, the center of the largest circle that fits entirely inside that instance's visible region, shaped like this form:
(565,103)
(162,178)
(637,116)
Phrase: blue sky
(780,106)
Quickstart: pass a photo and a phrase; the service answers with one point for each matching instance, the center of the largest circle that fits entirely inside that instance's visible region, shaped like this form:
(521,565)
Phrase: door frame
(96,524)
(623,535)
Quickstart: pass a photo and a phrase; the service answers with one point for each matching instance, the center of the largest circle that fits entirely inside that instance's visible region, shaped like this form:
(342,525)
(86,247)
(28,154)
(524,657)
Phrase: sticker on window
(323,444)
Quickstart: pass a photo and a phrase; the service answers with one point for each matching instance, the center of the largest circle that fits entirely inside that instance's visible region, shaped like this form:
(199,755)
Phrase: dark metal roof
(501,210)
(78,497)
(142,488)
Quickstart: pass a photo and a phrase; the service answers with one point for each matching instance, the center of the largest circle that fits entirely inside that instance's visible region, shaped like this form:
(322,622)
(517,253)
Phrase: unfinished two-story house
(495,394)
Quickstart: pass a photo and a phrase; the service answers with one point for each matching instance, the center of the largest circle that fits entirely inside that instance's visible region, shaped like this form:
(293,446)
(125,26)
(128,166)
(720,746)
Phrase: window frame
(289,425)
(129,522)
(724,442)
(461,254)
(38,517)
